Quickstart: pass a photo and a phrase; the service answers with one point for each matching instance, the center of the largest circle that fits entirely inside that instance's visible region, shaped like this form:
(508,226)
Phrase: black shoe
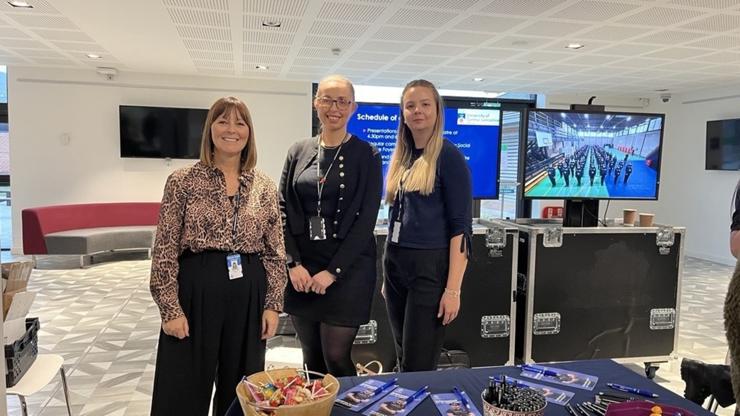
(695,375)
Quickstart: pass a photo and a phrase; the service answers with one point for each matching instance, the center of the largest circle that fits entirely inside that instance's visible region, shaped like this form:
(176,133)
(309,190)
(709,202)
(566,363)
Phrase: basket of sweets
(287,392)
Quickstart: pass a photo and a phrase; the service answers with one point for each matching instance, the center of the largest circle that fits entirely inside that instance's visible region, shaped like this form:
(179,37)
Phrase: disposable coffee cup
(646,219)
(629,216)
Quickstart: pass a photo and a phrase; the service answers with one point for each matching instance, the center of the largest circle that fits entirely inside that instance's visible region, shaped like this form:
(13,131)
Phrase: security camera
(107,72)
(665,97)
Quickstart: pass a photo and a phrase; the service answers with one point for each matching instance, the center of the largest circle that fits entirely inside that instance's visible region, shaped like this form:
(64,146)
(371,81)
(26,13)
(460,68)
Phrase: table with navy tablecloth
(473,382)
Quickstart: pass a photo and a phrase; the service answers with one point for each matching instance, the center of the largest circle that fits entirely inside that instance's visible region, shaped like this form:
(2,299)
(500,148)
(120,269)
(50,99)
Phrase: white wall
(45,104)
(689,195)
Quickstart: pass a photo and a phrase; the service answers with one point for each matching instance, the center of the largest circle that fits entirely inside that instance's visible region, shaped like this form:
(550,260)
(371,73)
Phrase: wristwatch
(291,262)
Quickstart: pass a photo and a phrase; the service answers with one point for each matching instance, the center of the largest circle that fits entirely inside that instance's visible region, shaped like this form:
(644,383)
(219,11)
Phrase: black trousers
(414,280)
(225,321)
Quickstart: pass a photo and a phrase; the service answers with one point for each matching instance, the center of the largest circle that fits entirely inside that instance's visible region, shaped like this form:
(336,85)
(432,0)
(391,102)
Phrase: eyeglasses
(326,102)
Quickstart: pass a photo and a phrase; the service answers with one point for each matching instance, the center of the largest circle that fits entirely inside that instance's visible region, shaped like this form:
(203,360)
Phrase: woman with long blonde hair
(429,188)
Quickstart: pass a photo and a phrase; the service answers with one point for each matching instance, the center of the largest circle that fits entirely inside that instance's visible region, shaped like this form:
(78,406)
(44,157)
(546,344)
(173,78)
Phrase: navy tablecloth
(474,380)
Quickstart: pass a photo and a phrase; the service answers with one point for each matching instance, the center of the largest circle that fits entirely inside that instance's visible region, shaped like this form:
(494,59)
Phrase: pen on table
(540,370)
(615,396)
(632,390)
(591,407)
(583,411)
(416,394)
(570,410)
(503,380)
(384,386)
(462,398)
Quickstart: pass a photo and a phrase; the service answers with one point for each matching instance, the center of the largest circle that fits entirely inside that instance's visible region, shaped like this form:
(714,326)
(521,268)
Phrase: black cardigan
(358,201)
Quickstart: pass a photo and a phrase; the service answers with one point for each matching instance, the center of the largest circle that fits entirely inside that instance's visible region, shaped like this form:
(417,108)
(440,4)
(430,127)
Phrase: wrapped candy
(286,391)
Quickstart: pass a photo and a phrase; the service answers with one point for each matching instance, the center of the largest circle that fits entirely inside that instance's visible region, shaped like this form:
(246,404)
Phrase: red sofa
(85,229)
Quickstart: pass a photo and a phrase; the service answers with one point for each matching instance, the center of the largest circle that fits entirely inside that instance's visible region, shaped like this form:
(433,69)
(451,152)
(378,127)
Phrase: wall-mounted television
(472,124)
(723,145)
(161,132)
(592,155)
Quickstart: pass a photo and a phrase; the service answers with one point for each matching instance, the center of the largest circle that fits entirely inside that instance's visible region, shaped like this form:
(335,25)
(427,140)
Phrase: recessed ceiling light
(261,67)
(574,45)
(20,4)
(93,56)
(519,42)
(271,23)
(478,79)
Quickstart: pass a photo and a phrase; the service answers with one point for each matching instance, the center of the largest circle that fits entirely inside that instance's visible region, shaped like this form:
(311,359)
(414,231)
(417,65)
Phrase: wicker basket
(320,407)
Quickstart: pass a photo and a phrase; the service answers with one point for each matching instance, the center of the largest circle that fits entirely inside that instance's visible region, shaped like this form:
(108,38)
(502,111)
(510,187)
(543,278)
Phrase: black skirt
(347,301)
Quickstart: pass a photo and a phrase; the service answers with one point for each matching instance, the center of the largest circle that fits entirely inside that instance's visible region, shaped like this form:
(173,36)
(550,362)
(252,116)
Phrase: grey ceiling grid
(200,25)
(632,46)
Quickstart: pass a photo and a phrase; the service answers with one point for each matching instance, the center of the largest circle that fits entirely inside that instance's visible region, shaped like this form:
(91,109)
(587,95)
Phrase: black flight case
(484,328)
(598,292)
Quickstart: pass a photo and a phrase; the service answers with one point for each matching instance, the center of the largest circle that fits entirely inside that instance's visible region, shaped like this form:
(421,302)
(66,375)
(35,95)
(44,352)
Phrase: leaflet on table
(362,395)
(552,394)
(449,404)
(563,377)
(395,403)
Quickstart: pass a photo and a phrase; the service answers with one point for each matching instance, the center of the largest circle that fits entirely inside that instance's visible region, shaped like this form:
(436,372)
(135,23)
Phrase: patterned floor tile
(102,320)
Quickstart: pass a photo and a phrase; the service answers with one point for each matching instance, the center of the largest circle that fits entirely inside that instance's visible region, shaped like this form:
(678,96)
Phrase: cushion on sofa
(95,240)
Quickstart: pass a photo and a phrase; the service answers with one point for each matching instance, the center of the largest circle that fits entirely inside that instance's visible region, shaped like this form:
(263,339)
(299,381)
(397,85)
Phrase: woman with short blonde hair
(330,193)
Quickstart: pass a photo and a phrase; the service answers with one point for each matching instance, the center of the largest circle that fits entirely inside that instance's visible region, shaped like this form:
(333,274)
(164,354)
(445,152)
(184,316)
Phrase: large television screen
(723,145)
(592,155)
(472,126)
(161,132)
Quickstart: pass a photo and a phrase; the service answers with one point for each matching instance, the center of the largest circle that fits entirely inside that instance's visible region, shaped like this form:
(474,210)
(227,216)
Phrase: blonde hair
(337,77)
(424,170)
(224,106)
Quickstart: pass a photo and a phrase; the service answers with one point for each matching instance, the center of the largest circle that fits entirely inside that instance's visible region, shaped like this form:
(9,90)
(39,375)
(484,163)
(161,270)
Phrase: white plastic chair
(42,371)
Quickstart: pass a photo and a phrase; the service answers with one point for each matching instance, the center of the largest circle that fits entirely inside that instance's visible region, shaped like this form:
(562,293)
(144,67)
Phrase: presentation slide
(475,131)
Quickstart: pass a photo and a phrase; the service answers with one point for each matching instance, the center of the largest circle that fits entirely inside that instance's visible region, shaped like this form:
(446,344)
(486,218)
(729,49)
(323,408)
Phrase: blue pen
(416,395)
(462,398)
(540,370)
(383,387)
(511,382)
(633,390)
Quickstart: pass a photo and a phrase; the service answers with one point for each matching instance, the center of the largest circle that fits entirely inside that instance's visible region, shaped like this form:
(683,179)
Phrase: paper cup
(646,219)
(629,216)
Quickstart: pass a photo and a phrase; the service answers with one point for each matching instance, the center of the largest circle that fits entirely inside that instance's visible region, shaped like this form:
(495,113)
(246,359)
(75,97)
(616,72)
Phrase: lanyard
(401,192)
(322,179)
(237,200)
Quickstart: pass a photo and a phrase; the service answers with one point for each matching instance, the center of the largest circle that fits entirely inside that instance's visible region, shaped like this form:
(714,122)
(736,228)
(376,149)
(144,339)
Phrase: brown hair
(221,107)
(424,170)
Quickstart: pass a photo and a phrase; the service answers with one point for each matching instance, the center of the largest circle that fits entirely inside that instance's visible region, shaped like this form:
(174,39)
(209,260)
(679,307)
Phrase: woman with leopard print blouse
(218,269)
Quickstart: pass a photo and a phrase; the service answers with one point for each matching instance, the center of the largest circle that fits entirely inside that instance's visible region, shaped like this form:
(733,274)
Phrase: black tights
(326,348)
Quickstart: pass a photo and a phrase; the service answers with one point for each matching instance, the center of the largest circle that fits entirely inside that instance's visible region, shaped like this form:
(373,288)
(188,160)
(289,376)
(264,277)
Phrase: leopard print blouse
(197,215)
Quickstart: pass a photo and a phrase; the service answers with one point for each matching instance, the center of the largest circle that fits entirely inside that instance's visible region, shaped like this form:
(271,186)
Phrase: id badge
(234,264)
(317,228)
(396,231)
